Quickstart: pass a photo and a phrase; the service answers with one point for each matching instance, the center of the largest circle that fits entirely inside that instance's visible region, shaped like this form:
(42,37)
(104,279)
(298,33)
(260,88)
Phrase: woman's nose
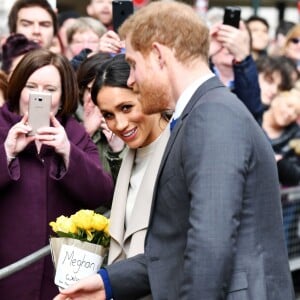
(121,123)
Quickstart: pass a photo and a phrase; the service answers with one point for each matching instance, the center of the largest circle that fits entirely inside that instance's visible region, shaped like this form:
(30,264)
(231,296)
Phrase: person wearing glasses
(291,48)
(84,33)
(278,41)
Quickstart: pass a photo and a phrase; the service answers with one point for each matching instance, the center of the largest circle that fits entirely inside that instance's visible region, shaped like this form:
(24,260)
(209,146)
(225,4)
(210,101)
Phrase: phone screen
(121,11)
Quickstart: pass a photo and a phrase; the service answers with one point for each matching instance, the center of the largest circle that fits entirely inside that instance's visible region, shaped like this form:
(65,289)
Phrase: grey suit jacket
(216,229)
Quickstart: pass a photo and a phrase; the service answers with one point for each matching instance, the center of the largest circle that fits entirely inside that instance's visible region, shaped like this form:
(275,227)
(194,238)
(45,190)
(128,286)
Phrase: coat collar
(140,217)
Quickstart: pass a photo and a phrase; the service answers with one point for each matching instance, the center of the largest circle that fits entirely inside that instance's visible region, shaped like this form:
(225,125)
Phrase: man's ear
(159,53)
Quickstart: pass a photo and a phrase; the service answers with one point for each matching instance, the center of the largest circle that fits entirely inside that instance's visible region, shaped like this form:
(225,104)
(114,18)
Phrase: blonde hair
(173,24)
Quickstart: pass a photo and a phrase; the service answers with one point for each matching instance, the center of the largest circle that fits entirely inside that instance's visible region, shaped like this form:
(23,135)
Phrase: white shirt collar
(187,95)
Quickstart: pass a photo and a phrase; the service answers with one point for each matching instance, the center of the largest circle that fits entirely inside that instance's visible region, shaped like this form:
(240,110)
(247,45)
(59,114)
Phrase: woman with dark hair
(259,29)
(55,172)
(146,137)
(110,147)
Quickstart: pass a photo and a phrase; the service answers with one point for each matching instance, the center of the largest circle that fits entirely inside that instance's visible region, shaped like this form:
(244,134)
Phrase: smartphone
(39,110)
(121,11)
(232,16)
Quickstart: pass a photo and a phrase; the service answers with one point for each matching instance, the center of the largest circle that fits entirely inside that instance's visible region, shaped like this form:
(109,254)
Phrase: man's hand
(236,40)
(215,45)
(89,288)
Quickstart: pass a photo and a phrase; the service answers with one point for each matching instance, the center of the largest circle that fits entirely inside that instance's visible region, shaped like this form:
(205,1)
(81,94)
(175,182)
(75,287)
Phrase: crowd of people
(185,141)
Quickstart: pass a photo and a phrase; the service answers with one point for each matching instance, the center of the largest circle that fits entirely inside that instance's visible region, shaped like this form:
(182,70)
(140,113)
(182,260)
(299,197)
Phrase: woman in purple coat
(54,172)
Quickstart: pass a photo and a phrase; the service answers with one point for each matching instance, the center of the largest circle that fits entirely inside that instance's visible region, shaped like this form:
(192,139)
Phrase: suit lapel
(208,85)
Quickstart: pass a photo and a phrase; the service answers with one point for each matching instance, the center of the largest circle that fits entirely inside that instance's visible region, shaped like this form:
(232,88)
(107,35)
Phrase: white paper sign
(74,264)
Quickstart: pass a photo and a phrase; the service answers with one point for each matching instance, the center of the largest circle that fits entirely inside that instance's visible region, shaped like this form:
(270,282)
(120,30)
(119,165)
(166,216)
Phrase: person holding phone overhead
(110,42)
(54,172)
(231,60)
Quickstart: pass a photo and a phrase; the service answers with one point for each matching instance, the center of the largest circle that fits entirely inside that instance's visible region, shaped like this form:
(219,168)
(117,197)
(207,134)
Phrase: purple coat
(34,190)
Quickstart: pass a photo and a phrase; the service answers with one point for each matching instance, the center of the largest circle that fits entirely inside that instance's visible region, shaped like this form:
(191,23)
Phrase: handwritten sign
(74,264)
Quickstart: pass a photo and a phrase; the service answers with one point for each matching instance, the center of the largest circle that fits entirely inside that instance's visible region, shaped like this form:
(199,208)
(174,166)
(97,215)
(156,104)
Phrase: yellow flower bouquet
(80,247)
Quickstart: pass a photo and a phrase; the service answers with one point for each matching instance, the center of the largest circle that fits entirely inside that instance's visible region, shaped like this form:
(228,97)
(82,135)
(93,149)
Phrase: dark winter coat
(34,190)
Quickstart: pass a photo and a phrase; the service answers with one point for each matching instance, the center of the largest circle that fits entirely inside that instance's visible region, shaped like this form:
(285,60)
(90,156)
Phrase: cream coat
(132,238)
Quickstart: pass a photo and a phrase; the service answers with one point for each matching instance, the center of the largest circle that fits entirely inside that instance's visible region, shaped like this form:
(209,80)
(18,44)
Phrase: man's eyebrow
(31,21)
(26,20)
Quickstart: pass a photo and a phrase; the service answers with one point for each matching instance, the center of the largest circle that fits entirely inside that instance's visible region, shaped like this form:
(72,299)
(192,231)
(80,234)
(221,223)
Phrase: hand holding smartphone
(232,16)
(39,110)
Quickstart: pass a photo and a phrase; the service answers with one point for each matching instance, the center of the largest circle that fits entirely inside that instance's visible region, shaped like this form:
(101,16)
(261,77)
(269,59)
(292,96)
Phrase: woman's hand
(17,138)
(91,118)
(115,143)
(56,137)
(110,43)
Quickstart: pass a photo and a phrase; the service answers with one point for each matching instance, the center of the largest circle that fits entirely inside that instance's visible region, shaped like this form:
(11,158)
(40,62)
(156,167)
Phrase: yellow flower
(63,224)
(99,222)
(83,219)
(106,229)
(85,225)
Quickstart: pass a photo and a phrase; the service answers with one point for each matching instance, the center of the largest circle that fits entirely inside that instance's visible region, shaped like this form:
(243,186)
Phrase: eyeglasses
(295,40)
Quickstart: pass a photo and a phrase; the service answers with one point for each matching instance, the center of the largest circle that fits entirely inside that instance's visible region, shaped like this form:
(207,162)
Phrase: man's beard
(154,97)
